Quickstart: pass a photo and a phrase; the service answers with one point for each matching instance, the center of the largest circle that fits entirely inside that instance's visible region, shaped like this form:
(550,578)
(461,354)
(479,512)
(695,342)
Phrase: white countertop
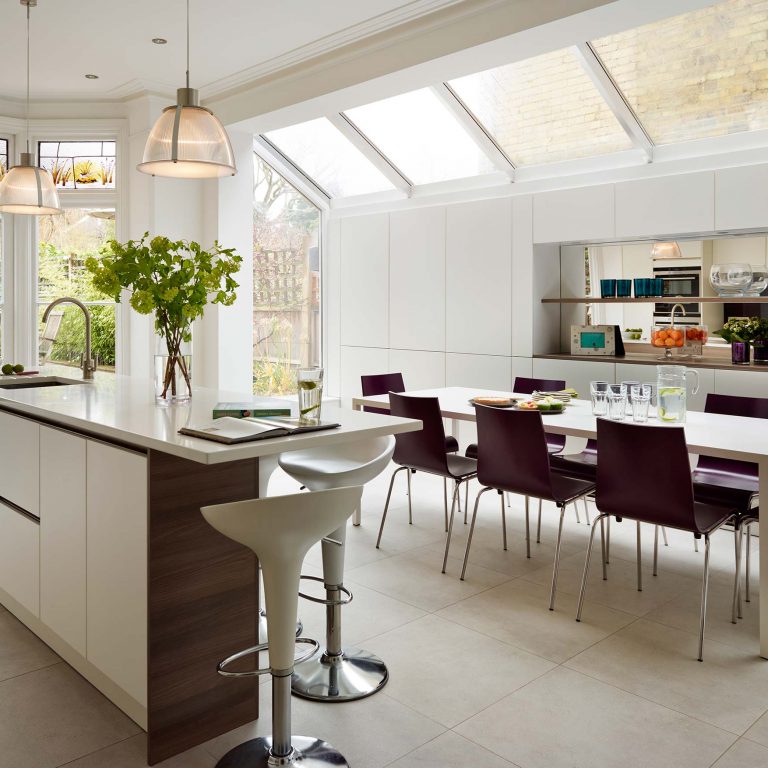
(123,408)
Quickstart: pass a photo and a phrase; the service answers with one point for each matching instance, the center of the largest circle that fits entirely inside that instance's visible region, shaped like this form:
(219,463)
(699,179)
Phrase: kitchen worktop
(720,362)
(123,409)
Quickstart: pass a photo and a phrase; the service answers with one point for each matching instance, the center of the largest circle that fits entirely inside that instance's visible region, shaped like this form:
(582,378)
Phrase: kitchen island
(105,556)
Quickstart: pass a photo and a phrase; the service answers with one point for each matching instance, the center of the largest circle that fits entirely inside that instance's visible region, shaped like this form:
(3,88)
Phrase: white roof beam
(614,98)
(476,130)
(372,153)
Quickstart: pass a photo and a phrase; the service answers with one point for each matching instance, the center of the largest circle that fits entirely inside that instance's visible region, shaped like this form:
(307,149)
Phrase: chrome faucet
(88,363)
(674,307)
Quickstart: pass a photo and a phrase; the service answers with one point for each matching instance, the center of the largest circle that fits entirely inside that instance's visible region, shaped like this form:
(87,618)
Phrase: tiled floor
(482,674)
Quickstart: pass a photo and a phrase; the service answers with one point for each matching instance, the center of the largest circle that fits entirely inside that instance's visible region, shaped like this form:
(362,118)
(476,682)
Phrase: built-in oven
(679,282)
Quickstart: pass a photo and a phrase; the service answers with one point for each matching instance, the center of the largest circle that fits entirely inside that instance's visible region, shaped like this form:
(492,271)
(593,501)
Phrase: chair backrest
(643,473)
(380,384)
(733,405)
(512,451)
(526,386)
(424,449)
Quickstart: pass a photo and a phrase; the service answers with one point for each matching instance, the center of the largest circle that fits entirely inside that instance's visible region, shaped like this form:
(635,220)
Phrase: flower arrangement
(743,329)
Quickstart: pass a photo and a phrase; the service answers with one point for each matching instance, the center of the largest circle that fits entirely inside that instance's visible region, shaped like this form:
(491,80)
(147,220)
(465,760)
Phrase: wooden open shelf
(656,299)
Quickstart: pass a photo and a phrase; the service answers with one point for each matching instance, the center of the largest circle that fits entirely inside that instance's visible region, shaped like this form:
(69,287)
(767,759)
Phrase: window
(286,282)
(3,157)
(64,242)
(695,75)
(543,110)
(79,164)
(421,137)
(321,152)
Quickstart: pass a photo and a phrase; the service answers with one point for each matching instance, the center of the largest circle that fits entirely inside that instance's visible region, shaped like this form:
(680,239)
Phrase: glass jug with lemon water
(672,387)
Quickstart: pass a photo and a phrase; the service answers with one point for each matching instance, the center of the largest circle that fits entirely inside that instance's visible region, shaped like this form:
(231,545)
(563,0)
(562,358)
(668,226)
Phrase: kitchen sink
(36,382)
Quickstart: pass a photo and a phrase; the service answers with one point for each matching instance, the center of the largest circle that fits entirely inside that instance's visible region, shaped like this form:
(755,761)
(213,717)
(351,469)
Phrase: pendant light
(27,188)
(188,141)
(670,250)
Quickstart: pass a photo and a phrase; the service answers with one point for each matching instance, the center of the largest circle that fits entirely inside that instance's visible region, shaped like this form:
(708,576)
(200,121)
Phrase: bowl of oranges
(667,336)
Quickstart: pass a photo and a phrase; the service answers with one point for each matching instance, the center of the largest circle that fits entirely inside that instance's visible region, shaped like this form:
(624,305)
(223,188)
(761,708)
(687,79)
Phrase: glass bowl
(667,337)
(730,279)
(759,282)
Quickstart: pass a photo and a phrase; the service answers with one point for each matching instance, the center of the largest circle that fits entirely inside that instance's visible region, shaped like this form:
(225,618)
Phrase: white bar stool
(281,530)
(338,673)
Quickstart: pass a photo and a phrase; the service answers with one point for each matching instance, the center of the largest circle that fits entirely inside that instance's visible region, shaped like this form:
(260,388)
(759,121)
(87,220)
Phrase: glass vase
(740,352)
(173,374)
(760,349)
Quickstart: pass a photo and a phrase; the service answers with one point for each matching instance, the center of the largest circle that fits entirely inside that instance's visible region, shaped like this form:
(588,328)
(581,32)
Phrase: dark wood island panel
(202,604)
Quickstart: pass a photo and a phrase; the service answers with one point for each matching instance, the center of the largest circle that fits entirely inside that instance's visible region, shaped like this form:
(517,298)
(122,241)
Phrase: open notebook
(231,430)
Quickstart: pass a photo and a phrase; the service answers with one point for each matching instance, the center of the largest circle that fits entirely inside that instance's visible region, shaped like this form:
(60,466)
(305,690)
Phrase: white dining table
(730,437)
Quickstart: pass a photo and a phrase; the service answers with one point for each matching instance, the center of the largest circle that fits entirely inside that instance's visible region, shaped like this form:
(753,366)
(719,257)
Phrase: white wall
(450,294)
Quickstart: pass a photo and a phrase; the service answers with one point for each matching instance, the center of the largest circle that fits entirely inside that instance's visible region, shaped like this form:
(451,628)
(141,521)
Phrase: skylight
(322,153)
(543,110)
(701,74)
(418,133)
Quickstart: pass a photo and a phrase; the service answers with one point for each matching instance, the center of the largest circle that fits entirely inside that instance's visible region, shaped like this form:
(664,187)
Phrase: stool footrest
(221,667)
(320,599)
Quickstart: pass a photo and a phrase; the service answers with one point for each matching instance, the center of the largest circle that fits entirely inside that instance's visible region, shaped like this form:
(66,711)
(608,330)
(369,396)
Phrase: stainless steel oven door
(679,284)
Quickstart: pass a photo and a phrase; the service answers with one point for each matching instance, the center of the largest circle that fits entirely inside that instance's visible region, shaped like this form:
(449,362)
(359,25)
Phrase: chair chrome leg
(608,540)
(450,525)
(695,544)
(586,510)
(504,522)
(557,559)
(445,501)
(655,550)
(410,508)
(738,538)
(471,531)
(458,501)
(509,499)
(639,561)
(583,589)
(602,546)
(527,527)
(538,524)
(704,588)
(749,562)
(466,500)
(576,510)
(664,534)
(386,504)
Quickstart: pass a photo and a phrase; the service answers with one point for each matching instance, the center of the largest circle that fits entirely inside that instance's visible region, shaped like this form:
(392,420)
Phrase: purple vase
(761,352)
(740,352)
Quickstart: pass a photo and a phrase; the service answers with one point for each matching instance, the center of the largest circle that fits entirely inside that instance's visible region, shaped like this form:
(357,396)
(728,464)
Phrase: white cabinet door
(740,197)
(417,279)
(481,371)
(421,370)
(62,535)
(478,278)
(570,215)
(742,383)
(577,373)
(666,205)
(365,281)
(357,362)
(116,635)
(20,558)
(20,462)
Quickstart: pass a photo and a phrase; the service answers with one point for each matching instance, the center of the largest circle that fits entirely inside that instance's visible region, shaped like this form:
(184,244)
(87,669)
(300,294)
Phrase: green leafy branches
(744,329)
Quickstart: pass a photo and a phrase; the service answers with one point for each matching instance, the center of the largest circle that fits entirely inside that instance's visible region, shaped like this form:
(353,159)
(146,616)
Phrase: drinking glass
(623,288)
(658,286)
(310,381)
(607,288)
(628,389)
(617,405)
(598,390)
(641,400)
(639,288)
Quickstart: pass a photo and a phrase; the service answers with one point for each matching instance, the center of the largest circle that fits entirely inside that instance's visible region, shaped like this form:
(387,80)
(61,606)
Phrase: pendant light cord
(27,107)
(187,43)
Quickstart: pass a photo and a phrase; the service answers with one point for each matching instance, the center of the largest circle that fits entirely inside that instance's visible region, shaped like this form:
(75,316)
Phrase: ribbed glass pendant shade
(29,190)
(188,141)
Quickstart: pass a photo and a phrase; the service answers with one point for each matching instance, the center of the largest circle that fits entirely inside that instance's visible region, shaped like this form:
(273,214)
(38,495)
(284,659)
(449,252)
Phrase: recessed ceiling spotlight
(92,77)
(159,40)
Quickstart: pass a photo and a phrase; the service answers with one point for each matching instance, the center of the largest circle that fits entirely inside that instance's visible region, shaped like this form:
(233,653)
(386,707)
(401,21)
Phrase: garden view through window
(64,243)
(286,282)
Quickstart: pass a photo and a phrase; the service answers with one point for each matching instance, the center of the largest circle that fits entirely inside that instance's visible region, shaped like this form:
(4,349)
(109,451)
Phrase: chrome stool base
(307,752)
(353,675)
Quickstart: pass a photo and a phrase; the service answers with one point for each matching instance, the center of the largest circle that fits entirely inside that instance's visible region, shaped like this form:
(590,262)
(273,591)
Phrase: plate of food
(495,402)
(546,405)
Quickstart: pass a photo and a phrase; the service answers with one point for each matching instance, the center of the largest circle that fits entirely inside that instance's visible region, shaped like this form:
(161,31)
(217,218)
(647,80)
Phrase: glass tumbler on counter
(640,395)
(310,381)
(617,402)
(598,391)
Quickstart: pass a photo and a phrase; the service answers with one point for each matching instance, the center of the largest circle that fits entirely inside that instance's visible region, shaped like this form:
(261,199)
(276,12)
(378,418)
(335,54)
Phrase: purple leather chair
(514,457)
(732,483)
(661,453)
(424,450)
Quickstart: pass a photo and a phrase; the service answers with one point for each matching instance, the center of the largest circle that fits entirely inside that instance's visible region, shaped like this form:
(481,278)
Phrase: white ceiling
(231,41)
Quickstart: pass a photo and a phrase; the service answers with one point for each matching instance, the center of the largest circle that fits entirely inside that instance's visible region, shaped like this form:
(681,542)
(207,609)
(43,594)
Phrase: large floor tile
(744,754)
(517,613)
(132,753)
(370,733)
(759,730)
(619,591)
(448,672)
(20,650)
(52,716)
(414,577)
(451,751)
(729,689)
(567,720)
